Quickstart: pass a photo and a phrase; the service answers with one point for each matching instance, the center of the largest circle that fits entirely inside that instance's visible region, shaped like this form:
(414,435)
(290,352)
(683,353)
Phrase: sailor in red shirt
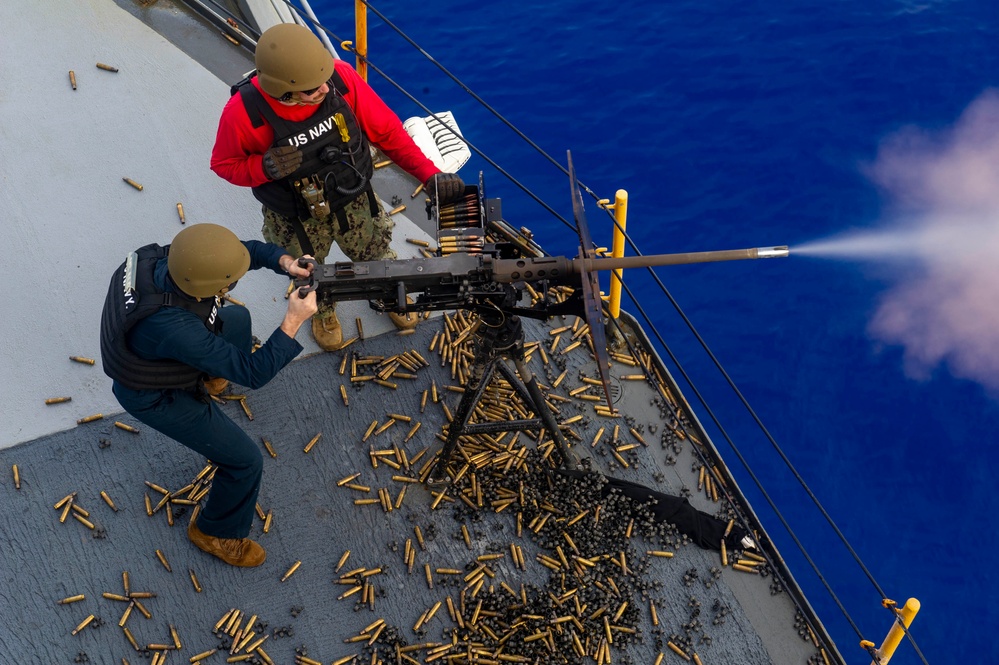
(298,133)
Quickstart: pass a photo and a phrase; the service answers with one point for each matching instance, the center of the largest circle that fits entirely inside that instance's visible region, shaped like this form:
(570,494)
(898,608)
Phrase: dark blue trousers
(179,414)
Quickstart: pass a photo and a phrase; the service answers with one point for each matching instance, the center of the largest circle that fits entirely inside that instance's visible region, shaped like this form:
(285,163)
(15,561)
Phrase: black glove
(281,161)
(447,186)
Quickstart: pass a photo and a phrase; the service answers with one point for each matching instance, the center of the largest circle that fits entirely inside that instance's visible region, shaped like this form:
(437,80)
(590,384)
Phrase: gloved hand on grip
(281,161)
(448,187)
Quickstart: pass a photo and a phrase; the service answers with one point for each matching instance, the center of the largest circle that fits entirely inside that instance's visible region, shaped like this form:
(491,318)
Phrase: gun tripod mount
(499,335)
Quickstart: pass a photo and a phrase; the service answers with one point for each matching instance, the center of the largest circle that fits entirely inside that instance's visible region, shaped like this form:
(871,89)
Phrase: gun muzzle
(777,252)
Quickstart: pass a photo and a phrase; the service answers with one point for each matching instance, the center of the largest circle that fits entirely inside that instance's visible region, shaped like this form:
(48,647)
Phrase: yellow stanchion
(617,249)
(895,635)
(361,34)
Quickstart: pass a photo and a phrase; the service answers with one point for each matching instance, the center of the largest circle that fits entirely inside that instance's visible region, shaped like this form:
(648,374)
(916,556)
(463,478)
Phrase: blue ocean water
(743,124)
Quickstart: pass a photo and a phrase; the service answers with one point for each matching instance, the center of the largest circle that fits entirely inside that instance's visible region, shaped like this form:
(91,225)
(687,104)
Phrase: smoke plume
(946,184)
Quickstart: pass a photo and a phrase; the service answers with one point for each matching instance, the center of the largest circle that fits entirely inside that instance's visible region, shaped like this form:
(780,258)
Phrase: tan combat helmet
(290,58)
(206,258)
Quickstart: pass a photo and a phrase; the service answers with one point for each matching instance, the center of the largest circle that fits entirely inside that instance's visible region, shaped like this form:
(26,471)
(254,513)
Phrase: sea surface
(745,124)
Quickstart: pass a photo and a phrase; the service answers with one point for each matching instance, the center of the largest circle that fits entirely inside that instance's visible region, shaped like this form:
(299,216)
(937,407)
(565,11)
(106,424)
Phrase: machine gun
(491,283)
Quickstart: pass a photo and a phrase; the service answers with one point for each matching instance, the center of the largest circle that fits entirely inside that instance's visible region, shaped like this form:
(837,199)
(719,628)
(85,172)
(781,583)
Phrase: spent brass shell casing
(127,428)
(194,580)
(133,183)
(313,442)
(72,82)
(203,655)
(267,521)
(397,209)
(83,624)
(87,523)
(82,360)
(343,395)
(180,212)
(162,558)
(246,409)
(17,477)
(57,400)
(291,571)
(269,447)
(90,419)
(107,68)
(71,599)
(107,500)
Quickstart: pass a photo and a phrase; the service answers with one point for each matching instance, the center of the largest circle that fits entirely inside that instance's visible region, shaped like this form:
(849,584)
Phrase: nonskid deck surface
(310,502)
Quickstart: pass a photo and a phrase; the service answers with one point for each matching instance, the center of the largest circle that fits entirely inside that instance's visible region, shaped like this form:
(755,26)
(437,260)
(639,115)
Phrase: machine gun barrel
(612,263)
(558,268)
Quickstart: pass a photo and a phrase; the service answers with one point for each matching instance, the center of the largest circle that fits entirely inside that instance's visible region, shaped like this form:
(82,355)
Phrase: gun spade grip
(307,284)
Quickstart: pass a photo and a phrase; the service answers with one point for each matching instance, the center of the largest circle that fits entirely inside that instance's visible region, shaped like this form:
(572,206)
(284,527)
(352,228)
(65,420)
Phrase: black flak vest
(344,168)
(124,307)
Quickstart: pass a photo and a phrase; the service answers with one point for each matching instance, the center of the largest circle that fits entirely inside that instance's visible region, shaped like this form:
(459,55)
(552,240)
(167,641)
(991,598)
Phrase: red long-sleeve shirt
(239,149)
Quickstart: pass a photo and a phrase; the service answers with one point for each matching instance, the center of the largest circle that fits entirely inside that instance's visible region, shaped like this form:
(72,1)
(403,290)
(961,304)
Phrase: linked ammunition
(57,400)
(90,419)
(127,428)
(133,183)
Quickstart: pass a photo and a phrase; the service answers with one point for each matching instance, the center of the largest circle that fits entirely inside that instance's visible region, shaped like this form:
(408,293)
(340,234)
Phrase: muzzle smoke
(944,189)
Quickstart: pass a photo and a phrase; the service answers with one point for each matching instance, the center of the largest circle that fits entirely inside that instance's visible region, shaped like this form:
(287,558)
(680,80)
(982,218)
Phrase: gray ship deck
(161,104)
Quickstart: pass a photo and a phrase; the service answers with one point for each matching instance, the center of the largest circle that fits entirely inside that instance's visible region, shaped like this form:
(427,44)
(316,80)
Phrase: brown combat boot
(405,321)
(215,385)
(241,552)
(327,332)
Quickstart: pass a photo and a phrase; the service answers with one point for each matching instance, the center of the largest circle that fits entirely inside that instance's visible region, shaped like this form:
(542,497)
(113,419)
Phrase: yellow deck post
(617,249)
(895,635)
(361,36)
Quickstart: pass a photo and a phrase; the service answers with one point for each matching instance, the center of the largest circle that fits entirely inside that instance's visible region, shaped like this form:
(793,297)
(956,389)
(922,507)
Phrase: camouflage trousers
(366,237)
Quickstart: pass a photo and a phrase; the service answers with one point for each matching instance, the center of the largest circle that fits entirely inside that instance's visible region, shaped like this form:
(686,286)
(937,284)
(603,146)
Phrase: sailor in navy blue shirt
(167,342)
